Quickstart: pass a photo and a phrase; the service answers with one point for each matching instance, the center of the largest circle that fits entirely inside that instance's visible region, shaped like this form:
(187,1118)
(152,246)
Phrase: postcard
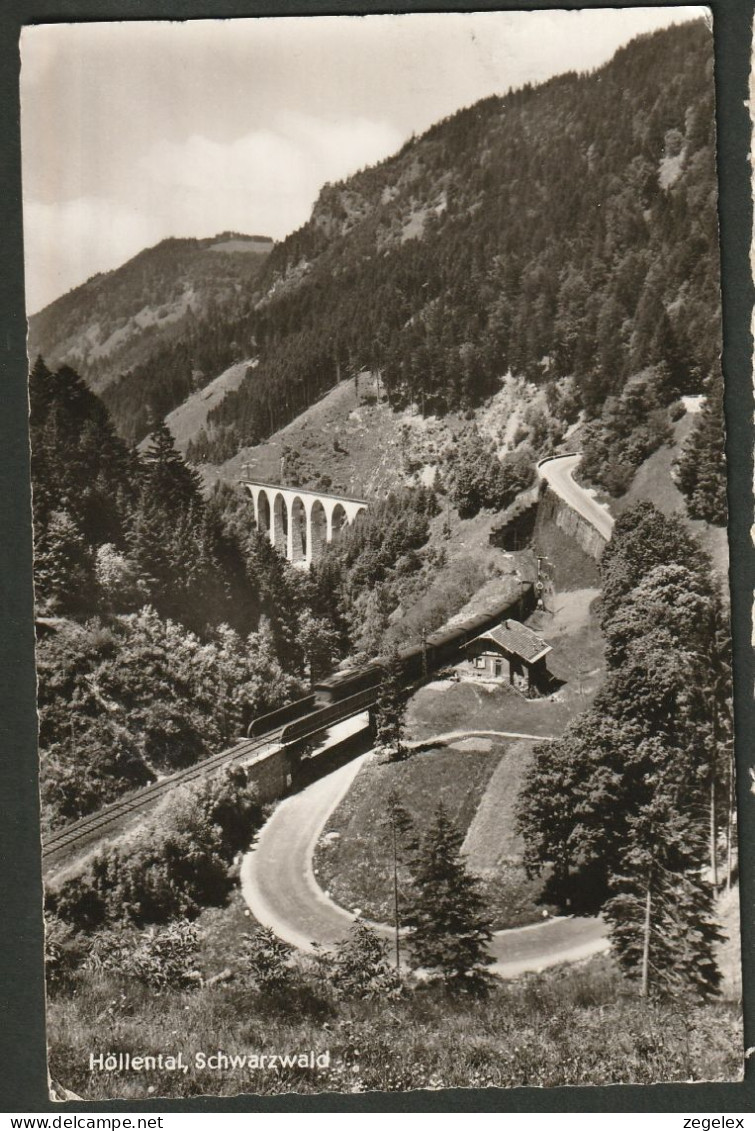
(381,565)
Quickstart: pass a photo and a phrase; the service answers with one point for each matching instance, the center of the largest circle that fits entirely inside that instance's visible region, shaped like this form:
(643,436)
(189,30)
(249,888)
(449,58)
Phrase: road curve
(558,471)
(280,888)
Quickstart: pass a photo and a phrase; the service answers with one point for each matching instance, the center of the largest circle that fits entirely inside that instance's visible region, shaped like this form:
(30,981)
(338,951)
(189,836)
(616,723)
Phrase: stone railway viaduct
(298,522)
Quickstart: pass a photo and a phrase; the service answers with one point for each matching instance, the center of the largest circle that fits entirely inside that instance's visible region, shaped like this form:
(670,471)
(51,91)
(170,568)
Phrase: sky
(135,131)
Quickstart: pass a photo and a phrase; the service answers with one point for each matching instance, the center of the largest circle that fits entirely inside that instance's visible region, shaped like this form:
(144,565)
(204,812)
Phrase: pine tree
(389,709)
(449,928)
(701,467)
(660,918)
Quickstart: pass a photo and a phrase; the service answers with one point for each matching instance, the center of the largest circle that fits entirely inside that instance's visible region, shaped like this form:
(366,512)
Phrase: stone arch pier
(300,523)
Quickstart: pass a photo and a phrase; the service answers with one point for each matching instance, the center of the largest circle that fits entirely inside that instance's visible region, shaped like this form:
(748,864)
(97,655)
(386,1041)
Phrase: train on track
(439,649)
(342,695)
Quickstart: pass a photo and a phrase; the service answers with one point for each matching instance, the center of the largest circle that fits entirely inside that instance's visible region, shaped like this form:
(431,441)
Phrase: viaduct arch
(300,523)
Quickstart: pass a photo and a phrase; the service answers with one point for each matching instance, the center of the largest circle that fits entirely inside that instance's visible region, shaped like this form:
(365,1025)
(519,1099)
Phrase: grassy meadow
(572,1025)
(478,780)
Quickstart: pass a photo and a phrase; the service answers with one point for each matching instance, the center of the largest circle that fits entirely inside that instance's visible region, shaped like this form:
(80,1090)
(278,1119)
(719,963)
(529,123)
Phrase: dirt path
(281,889)
(451,734)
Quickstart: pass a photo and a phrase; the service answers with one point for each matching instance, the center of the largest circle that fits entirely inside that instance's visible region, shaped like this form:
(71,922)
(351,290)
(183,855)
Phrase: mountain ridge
(113,322)
(564,234)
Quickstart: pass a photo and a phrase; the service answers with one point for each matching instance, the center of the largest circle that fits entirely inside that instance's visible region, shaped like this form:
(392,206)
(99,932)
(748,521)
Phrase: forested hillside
(565,233)
(628,810)
(165,623)
(161,318)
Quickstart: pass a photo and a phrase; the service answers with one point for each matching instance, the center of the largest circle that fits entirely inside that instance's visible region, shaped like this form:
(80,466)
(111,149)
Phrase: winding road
(558,472)
(277,877)
(280,888)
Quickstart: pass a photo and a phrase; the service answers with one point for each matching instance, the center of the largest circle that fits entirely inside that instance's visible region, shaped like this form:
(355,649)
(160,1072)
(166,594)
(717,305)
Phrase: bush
(163,958)
(180,862)
(63,953)
(360,966)
(267,959)
(676,411)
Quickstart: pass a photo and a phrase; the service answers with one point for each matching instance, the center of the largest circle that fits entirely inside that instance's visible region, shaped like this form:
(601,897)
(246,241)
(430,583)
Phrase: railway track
(59,844)
(296,722)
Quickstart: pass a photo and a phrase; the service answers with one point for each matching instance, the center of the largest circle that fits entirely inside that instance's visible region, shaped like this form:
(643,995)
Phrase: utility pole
(539,583)
(713,830)
(730,821)
(646,940)
(395,894)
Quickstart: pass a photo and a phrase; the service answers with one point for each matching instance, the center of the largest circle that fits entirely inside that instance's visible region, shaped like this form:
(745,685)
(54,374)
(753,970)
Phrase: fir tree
(390,708)
(661,920)
(701,467)
(64,566)
(170,480)
(449,928)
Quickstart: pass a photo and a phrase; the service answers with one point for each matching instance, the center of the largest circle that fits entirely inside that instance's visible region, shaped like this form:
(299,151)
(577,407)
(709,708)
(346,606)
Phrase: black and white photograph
(381,572)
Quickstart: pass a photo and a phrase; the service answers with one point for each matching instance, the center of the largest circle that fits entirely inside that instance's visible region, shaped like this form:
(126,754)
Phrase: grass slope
(354,861)
(654,481)
(581,1025)
(492,840)
(478,780)
(186,420)
(442,707)
(493,848)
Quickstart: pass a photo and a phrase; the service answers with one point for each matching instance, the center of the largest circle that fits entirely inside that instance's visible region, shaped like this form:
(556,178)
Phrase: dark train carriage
(286,714)
(440,648)
(444,646)
(341,685)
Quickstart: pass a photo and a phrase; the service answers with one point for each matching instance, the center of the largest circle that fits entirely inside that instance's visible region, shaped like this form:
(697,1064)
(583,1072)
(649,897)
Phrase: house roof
(517,639)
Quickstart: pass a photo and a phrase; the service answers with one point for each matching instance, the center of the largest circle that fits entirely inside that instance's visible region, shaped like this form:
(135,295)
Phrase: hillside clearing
(352,441)
(477,780)
(186,420)
(353,860)
(654,482)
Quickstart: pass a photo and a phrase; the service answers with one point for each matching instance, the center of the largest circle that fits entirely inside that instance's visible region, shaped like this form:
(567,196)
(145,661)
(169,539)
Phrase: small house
(508,653)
